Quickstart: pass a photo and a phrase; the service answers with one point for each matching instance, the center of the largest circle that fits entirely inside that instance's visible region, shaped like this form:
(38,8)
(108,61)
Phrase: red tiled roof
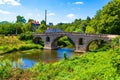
(35,22)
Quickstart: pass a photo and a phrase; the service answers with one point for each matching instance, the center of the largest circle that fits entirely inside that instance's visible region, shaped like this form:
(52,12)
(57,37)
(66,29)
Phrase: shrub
(5,69)
(26,36)
(65,55)
(27,47)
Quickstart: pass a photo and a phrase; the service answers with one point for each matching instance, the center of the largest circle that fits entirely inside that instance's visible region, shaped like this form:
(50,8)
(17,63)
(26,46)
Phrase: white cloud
(1,2)
(79,3)
(10,2)
(4,12)
(51,14)
(70,15)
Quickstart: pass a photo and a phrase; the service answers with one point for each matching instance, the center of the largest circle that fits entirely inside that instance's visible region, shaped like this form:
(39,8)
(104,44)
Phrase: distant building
(50,24)
(35,25)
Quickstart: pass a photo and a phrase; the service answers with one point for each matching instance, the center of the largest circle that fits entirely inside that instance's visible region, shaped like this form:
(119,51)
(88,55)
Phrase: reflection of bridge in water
(80,40)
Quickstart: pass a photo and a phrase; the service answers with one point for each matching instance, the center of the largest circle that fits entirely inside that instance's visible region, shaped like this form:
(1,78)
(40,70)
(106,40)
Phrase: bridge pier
(50,48)
(49,45)
(80,48)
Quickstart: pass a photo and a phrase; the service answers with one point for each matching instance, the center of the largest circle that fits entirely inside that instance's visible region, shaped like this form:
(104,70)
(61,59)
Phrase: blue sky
(57,10)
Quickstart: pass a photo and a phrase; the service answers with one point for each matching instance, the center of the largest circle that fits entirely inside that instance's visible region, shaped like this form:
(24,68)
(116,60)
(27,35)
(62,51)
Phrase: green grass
(91,66)
(104,65)
(12,43)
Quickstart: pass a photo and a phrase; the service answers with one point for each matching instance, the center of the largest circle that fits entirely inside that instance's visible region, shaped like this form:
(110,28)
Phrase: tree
(19,23)
(42,26)
(7,28)
(27,27)
(107,20)
(88,18)
(18,27)
(43,22)
(20,19)
(30,20)
(90,29)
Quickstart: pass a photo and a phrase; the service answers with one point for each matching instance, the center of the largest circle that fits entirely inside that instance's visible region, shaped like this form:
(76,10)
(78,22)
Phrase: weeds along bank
(104,65)
(13,43)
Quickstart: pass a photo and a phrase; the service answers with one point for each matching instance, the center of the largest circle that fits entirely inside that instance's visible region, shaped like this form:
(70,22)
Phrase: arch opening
(97,45)
(47,39)
(38,40)
(63,41)
(81,41)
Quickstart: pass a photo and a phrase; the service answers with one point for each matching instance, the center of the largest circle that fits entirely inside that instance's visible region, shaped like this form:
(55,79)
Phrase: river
(26,59)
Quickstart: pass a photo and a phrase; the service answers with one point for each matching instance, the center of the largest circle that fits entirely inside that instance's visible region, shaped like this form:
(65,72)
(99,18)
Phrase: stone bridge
(80,40)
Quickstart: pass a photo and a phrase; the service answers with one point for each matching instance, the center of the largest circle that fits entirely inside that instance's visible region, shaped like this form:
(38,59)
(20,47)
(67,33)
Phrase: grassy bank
(103,65)
(12,43)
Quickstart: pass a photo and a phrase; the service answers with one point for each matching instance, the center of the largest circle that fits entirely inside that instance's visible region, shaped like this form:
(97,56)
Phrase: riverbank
(104,65)
(12,43)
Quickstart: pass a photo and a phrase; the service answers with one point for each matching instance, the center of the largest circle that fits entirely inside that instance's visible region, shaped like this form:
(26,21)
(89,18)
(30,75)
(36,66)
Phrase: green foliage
(104,65)
(90,29)
(65,42)
(10,44)
(20,19)
(90,66)
(65,55)
(7,28)
(115,42)
(18,28)
(98,45)
(107,20)
(42,27)
(26,36)
(5,69)
(27,27)
(28,47)
(77,26)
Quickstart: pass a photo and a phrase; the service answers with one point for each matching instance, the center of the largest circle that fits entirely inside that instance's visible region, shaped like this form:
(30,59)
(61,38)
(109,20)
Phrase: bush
(11,50)
(5,69)
(27,47)
(26,36)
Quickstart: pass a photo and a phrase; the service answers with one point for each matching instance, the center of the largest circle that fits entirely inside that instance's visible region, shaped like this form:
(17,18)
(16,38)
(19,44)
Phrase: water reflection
(27,59)
(61,51)
(24,63)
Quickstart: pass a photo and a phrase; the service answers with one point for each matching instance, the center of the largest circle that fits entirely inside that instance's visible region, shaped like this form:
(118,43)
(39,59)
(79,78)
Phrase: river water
(26,59)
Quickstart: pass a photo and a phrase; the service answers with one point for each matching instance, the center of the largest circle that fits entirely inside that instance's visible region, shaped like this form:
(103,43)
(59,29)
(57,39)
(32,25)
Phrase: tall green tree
(28,26)
(108,19)
(20,19)
(42,26)
(19,23)
(7,28)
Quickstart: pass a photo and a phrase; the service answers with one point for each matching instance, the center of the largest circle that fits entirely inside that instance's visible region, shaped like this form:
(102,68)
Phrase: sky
(58,11)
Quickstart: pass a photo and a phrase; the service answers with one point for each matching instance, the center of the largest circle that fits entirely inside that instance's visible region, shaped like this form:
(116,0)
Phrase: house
(35,25)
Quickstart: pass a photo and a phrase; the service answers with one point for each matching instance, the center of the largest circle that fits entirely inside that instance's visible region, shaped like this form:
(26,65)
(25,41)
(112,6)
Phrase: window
(48,39)
(81,41)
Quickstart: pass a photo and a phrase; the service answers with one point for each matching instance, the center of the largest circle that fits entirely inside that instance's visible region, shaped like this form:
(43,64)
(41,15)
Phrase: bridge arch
(55,41)
(38,40)
(80,40)
(98,42)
